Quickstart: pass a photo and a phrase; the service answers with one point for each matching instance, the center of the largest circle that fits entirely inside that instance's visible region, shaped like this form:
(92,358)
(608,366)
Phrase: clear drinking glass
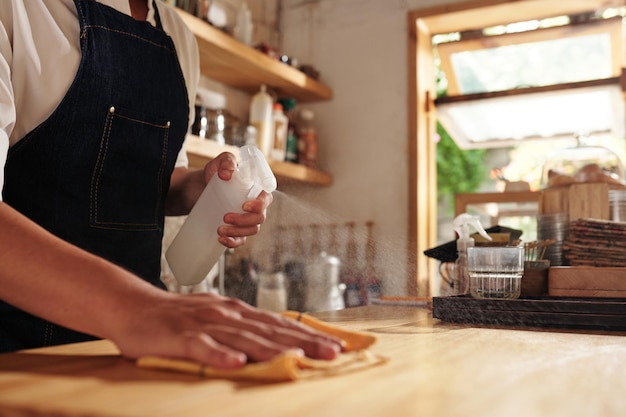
(495,272)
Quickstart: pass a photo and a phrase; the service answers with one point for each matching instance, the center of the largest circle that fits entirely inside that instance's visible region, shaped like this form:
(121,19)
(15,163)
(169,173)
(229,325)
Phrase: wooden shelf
(462,200)
(224,59)
(200,151)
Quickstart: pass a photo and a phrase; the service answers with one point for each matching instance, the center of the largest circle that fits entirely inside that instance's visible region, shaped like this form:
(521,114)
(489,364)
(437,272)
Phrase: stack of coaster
(594,242)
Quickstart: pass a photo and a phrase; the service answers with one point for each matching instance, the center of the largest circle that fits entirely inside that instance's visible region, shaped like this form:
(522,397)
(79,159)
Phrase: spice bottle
(373,286)
(271,292)
(351,274)
(280,123)
(261,118)
(307,139)
(291,151)
(244,28)
(272,288)
(294,270)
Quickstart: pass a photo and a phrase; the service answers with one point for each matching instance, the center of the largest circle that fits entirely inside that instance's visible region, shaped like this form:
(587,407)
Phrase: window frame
(422,24)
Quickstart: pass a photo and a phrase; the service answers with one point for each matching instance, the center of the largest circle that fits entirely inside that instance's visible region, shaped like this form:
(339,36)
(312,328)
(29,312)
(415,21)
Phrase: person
(94,107)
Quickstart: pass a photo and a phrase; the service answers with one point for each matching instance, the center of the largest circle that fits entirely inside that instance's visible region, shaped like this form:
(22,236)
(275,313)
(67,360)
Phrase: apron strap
(157,16)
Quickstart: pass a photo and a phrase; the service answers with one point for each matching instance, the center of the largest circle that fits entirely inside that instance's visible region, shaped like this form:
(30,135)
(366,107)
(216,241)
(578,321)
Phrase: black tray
(447,251)
(561,312)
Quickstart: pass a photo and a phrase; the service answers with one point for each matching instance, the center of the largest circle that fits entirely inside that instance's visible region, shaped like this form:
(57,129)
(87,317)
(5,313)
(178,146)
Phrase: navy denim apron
(97,171)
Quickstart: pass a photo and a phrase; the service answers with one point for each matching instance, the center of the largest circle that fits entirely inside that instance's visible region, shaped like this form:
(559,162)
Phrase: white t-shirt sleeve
(32,84)
(7,103)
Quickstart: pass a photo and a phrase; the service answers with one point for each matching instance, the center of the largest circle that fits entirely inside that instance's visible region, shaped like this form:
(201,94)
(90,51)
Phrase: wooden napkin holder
(587,281)
(577,200)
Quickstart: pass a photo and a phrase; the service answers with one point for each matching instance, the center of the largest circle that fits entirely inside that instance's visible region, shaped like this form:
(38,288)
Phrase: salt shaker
(271,292)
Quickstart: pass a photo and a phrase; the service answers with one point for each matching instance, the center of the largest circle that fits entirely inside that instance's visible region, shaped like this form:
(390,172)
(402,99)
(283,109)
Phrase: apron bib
(97,171)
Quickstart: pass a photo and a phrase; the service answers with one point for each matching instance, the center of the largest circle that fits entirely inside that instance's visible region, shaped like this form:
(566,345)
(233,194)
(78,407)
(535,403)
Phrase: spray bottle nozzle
(255,167)
(461,226)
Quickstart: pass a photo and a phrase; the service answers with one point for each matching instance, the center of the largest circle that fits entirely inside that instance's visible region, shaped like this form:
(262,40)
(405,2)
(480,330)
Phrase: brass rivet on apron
(112,109)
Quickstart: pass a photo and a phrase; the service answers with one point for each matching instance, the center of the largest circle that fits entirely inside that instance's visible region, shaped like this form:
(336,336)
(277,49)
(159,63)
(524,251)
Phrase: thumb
(224,165)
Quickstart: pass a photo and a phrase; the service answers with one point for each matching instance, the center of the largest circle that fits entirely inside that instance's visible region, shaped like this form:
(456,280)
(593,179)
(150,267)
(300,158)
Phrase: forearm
(55,280)
(185,188)
(52,279)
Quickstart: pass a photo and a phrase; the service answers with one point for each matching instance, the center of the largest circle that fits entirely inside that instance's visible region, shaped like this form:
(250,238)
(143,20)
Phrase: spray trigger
(461,226)
(254,167)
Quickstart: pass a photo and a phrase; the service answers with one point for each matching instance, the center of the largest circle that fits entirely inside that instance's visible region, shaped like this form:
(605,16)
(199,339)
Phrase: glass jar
(271,292)
(582,164)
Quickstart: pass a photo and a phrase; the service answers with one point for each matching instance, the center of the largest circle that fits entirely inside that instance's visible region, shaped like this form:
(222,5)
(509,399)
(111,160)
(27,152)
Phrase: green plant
(458,171)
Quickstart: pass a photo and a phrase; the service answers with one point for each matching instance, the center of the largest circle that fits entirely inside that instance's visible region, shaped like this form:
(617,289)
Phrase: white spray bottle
(195,249)
(461,226)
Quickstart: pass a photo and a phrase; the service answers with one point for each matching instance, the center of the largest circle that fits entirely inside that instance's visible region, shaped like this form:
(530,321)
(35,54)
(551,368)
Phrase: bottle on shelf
(280,122)
(294,270)
(350,275)
(353,292)
(261,118)
(251,282)
(333,244)
(323,270)
(250,135)
(272,292)
(316,245)
(372,282)
(291,148)
(241,280)
(307,139)
(244,28)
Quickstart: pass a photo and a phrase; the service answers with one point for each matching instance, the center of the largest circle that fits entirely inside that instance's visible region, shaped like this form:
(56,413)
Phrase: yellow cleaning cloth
(288,366)
(354,339)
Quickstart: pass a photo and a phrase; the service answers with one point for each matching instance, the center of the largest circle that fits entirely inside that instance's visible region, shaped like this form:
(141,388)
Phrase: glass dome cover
(582,164)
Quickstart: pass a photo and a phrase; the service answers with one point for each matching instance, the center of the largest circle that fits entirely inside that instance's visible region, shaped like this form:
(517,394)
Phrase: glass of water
(495,272)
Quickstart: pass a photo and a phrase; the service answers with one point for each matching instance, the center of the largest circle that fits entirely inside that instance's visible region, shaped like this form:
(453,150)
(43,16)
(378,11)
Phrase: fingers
(326,347)
(259,204)
(244,220)
(282,338)
(284,330)
(240,225)
(254,212)
(256,347)
(232,242)
(218,331)
(224,165)
(201,347)
(262,335)
(227,344)
(227,347)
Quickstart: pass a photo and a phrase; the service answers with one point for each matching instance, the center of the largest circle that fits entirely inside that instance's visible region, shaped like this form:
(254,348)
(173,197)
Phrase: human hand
(237,226)
(218,331)
(224,165)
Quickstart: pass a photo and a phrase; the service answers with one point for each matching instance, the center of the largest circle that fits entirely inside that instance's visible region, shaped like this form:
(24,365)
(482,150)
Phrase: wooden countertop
(435,369)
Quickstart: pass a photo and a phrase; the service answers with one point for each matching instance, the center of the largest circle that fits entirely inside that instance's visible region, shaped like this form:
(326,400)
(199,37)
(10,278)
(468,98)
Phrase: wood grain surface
(435,369)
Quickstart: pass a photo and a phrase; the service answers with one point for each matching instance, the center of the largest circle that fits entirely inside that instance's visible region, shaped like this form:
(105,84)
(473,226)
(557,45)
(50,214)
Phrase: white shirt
(40,59)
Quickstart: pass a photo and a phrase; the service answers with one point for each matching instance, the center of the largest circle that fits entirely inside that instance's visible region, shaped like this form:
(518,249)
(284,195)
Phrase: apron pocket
(127,186)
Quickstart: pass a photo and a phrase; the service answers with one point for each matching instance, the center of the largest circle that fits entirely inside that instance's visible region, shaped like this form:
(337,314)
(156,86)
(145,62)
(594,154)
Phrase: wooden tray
(587,281)
(562,312)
